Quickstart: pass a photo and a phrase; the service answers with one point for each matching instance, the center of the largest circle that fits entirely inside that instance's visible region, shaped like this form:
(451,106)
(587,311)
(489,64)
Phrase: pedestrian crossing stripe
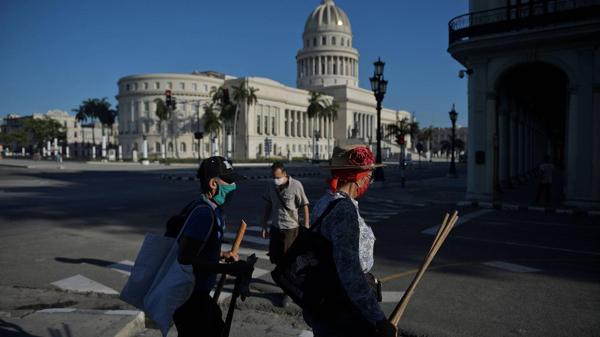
(511,267)
(82,284)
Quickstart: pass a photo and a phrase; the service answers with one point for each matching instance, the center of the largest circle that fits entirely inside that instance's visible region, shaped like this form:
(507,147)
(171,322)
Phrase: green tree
(212,122)
(93,109)
(242,96)
(403,127)
(163,112)
(426,135)
(42,130)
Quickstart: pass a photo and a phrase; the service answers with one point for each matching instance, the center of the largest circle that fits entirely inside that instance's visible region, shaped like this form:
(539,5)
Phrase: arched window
(333,42)
(342,42)
(170,147)
(182,147)
(314,42)
(135,146)
(157,147)
(323,42)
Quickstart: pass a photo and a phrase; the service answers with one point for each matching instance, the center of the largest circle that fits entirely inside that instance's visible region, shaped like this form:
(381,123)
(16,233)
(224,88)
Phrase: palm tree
(164,114)
(242,96)
(403,127)
(212,123)
(88,113)
(105,113)
(315,109)
(426,135)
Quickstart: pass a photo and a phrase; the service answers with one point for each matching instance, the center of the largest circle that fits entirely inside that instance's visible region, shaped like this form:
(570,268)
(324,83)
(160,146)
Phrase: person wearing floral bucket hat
(357,311)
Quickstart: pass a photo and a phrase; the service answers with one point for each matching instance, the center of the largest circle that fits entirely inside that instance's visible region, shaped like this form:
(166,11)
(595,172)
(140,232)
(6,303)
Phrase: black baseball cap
(214,167)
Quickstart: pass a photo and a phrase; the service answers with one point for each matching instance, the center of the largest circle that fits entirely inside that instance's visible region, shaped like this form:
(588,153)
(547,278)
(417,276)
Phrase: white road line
(248,238)
(123,267)
(306,333)
(80,283)
(462,219)
(508,243)
(391,296)
(375,212)
(511,267)
(257,229)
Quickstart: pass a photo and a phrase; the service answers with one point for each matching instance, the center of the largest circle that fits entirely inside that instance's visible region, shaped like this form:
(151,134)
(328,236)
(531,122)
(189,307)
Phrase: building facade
(327,63)
(80,137)
(534,90)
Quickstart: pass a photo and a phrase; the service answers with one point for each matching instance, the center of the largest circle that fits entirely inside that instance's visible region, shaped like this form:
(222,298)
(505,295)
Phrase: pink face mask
(362,189)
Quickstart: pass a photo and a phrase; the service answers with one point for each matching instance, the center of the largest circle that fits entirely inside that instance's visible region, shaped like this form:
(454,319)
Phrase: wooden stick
(234,249)
(441,235)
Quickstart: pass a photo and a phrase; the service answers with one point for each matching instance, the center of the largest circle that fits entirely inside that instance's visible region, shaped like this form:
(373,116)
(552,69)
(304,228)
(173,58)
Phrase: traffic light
(198,135)
(168,98)
(400,139)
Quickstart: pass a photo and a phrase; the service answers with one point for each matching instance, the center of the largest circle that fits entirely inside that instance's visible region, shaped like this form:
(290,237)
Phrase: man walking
(284,198)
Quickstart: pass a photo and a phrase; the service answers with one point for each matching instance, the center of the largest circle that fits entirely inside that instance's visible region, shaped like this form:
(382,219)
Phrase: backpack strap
(325,213)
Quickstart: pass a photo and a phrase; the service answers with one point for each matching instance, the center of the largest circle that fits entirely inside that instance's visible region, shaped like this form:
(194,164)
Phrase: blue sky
(54,54)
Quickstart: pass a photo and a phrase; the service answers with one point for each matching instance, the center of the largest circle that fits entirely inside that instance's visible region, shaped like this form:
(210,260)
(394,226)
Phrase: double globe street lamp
(379,87)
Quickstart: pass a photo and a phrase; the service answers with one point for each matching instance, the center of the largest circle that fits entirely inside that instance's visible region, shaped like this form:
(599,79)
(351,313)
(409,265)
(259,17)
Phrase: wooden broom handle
(437,243)
(239,237)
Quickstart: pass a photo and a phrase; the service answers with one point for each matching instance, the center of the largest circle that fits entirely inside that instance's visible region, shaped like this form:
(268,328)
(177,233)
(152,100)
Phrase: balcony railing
(524,16)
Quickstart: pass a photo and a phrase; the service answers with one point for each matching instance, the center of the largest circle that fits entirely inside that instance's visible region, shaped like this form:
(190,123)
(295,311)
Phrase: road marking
(511,267)
(247,238)
(391,296)
(378,213)
(461,220)
(81,283)
(257,229)
(306,333)
(123,267)
(527,245)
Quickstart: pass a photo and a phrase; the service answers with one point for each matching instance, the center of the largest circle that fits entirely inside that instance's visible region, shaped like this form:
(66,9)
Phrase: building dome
(327,57)
(327,17)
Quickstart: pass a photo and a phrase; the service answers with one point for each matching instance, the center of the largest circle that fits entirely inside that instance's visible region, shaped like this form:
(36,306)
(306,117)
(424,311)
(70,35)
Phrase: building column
(583,140)
(503,159)
(514,143)
(482,118)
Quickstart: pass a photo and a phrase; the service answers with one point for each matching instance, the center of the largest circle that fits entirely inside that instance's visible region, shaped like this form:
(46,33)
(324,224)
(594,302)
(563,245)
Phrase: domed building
(278,124)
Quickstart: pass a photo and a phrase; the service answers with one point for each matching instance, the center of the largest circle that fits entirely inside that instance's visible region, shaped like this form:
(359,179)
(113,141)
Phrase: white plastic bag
(148,262)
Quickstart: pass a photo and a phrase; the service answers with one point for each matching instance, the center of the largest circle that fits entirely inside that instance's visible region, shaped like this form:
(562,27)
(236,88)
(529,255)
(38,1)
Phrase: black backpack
(176,222)
(307,272)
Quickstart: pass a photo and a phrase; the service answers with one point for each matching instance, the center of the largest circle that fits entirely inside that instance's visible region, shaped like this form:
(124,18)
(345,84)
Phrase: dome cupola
(326,18)
(327,57)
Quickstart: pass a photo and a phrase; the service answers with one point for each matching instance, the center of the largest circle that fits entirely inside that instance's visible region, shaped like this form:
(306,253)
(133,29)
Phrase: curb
(258,177)
(513,207)
(134,327)
(16,166)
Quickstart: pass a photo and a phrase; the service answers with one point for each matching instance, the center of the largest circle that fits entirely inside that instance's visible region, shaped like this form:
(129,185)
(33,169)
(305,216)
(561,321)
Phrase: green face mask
(222,194)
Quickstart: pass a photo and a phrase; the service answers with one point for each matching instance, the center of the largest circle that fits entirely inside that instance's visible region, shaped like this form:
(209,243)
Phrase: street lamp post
(379,87)
(453,116)
(317,135)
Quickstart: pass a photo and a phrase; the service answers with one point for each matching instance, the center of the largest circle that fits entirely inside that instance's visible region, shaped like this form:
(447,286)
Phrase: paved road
(500,273)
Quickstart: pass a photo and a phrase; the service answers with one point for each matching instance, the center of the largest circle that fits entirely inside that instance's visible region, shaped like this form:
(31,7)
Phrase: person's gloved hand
(385,329)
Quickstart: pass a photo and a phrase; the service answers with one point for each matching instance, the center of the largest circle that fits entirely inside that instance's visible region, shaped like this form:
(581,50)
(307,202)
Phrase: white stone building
(327,63)
(534,90)
(80,137)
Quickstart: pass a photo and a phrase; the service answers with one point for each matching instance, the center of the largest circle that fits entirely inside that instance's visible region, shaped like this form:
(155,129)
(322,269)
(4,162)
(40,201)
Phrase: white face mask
(279,181)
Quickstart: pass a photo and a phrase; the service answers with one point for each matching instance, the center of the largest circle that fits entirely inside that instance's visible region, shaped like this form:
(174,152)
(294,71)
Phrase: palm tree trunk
(237,109)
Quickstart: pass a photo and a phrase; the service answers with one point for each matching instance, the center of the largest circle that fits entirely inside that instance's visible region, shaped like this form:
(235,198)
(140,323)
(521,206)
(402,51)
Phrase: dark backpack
(176,222)
(307,272)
